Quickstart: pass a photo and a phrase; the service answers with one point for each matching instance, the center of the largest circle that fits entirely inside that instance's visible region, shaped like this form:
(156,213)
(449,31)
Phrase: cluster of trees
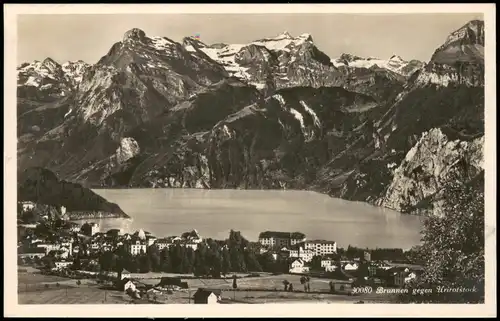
(212,258)
(453,247)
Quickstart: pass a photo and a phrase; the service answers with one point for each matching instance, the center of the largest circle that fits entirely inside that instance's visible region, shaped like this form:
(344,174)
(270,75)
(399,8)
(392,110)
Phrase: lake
(166,212)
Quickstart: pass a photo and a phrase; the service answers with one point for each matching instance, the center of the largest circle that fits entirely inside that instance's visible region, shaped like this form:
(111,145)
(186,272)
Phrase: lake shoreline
(86,215)
(214,212)
(414,213)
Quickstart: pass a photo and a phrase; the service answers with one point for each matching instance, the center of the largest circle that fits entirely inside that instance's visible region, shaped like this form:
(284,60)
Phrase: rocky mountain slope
(274,113)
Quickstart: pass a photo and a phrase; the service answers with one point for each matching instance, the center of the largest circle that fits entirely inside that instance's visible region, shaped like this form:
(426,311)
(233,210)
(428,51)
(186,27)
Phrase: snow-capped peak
(74,70)
(396,58)
(284,34)
(40,74)
(395,63)
(50,64)
(283,41)
(226,54)
(306,36)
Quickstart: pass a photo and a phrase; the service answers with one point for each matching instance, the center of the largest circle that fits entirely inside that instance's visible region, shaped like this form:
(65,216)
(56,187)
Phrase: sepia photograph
(261,157)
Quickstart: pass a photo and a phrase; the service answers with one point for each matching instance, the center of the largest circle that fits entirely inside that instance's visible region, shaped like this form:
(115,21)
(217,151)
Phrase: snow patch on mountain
(280,99)
(283,41)
(444,80)
(312,113)
(226,54)
(161,43)
(395,63)
(298,116)
(67,114)
(190,48)
(32,81)
(74,70)
(48,74)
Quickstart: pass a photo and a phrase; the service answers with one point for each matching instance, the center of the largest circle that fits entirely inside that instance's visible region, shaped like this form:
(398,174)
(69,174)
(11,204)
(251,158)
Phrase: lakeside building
(281,239)
(27,206)
(49,247)
(298,251)
(94,228)
(350,266)
(298,266)
(90,229)
(150,239)
(187,239)
(206,296)
(166,242)
(192,237)
(321,247)
(62,264)
(137,246)
(32,253)
(327,262)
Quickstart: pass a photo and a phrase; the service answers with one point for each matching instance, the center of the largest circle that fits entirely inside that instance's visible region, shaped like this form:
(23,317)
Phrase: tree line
(212,259)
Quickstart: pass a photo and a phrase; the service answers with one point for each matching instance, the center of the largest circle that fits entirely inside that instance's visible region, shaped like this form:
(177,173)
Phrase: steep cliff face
(443,96)
(433,161)
(459,60)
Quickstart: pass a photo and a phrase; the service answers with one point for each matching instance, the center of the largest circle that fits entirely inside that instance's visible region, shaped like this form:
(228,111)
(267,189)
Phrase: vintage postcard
(227,155)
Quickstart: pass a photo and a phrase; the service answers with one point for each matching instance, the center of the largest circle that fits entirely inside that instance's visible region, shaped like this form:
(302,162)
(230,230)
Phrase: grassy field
(37,278)
(36,288)
(73,295)
(42,289)
(264,289)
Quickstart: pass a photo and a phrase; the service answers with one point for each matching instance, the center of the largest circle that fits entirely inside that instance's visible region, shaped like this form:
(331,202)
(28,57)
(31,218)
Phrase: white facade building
(28,206)
(321,247)
(129,285)
(49,247)
(330,268)
(280,239)
(301,253)
(136,247)
(94,228)
(298,266)
(327,262)
(351,266)
(63,264)
(151,240)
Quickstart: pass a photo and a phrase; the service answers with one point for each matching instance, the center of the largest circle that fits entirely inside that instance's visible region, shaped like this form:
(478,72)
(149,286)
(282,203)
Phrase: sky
(88,37)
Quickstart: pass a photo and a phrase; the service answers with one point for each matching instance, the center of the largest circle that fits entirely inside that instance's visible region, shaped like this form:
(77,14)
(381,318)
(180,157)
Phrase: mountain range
(271,114)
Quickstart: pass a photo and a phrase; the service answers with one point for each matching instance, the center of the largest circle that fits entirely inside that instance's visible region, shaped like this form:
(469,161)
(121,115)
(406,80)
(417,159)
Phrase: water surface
(213,213)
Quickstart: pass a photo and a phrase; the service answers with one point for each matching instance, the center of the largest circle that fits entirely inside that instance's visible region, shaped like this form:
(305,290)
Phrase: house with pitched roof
(207,296)
(298,266)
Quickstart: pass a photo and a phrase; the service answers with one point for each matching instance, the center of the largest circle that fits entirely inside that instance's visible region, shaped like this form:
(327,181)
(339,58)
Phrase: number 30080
(366,289)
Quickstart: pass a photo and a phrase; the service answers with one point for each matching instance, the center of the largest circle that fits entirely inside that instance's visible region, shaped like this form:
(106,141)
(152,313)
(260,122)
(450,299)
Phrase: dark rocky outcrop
(42,186)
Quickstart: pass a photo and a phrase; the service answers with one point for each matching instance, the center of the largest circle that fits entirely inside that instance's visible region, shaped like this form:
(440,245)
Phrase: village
(194,269)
